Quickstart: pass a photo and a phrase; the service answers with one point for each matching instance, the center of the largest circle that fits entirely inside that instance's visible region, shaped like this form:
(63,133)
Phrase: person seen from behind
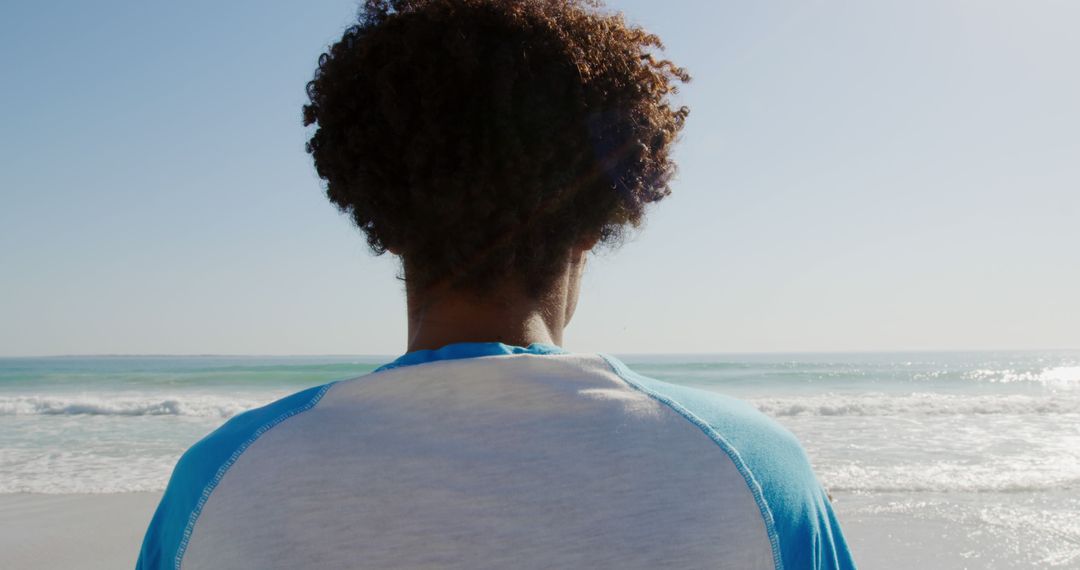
(491,145)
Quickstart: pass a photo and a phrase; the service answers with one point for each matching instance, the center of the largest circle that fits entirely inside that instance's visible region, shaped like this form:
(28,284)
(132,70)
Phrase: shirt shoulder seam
(224,468)
(625,374)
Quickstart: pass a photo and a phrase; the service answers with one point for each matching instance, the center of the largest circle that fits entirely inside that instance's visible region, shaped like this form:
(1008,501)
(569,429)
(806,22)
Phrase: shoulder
(794,504)
(202,466)
(744,429)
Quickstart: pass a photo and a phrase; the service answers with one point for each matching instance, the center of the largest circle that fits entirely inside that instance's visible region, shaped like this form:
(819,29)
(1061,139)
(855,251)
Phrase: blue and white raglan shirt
(483,455)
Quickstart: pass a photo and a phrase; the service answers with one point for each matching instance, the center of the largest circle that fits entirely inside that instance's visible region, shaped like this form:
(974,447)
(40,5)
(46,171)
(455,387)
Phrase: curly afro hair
(482,139)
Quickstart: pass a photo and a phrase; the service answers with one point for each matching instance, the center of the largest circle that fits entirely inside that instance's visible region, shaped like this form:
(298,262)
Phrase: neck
(507,315)
(436,320)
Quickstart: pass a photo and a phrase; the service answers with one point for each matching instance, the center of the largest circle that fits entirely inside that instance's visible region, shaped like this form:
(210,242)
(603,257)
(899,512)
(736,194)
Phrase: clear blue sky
(854,176)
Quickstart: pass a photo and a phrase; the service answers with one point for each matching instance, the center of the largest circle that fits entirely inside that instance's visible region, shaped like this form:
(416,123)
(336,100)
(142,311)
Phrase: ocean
(985,445)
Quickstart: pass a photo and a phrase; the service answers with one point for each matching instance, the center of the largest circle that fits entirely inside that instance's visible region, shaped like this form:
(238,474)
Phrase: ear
(587,242)
(581,248)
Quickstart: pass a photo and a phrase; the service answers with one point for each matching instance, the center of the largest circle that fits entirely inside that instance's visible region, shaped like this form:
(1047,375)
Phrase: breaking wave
(140,405)
(917,404)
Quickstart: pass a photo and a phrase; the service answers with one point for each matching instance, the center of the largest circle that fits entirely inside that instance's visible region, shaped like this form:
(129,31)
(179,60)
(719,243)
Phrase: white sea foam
(954,476)
(197,405)
(880,404)
(92,471)
(1053,377)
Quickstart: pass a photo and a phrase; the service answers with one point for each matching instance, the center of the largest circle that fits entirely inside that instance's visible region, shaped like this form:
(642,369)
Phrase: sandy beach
(90,531)
(104,531)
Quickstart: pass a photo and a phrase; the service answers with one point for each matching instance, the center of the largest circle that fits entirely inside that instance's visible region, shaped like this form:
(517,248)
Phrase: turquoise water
(989,441)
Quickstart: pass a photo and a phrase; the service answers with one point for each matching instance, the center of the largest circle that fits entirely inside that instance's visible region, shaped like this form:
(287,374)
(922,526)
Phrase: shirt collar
(459,350)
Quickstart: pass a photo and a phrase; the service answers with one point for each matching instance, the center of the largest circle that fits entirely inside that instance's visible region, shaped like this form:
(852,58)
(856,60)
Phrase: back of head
(482,139)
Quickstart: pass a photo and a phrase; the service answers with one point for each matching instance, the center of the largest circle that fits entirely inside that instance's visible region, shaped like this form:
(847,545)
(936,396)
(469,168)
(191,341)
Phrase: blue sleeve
(201,468)
(802,526)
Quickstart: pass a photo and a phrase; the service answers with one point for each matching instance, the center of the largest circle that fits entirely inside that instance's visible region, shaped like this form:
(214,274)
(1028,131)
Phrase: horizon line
(385,355)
